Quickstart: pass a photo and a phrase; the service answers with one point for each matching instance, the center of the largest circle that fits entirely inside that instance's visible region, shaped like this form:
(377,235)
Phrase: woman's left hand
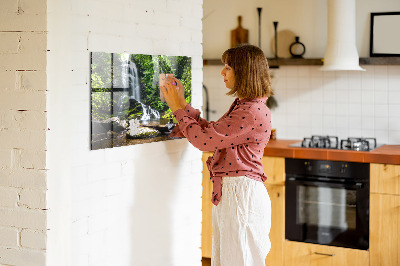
(171,95)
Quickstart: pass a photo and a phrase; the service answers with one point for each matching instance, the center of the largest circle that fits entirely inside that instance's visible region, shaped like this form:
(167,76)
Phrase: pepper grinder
(276,38)
(259,26)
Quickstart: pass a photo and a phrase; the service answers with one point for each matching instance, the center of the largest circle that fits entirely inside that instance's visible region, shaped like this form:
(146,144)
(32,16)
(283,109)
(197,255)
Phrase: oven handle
(357,185)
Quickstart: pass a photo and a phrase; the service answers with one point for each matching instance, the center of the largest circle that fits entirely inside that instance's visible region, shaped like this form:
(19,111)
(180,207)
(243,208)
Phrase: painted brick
(32,42)
(7,80)
(15,155)
(33,120)
(23,178)
(33,159)
(23,218)
(36,7)
(23,22)
(8,6)
(33,199)
(31,61)
(5,158)
(98,222)
(22,100)
(17,256)
(9,42)
(98,42)
(20,139)
(30,80)
(33,239)
(8,197)
(8,237)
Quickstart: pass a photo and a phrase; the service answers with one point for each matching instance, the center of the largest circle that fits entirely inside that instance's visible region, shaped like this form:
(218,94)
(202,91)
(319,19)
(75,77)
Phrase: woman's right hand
(181,91)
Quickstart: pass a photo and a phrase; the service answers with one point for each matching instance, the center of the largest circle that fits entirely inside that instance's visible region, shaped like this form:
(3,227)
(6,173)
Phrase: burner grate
(358,144)
(327,142)
(332,142)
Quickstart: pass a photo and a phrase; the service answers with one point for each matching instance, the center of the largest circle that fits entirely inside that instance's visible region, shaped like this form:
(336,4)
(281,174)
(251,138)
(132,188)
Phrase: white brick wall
(23,132)
(135,205)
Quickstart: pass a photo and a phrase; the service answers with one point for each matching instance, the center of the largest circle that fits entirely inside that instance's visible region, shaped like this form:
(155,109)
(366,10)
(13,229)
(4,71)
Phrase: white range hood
(341,51)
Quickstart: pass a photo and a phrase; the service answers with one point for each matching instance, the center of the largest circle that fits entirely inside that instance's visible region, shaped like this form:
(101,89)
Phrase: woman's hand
(181,91)
(171,94)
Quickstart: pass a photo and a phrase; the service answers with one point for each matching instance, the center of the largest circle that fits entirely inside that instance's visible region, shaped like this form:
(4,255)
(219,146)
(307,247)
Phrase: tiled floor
(206,261)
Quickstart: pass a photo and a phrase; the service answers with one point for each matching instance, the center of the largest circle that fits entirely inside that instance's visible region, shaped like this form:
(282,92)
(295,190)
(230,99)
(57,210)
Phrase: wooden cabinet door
(277,233)
(206,226)
(385,178)
(304,254)
(384,237)
(274,168)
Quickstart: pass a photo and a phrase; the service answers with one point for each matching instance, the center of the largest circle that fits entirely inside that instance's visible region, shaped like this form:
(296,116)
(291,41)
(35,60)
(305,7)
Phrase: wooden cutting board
(239,35)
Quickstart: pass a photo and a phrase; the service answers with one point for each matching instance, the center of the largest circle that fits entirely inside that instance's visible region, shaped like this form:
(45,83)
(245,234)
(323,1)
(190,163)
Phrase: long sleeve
(193,113)
(230,131)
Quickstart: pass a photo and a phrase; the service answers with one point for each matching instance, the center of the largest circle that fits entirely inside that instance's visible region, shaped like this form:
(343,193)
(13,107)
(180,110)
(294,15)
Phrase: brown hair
(250,66)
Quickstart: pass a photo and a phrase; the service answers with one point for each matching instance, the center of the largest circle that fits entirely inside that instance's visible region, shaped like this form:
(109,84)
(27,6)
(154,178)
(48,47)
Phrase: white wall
(311,102)
(133,205)
(306,19)
(23,133)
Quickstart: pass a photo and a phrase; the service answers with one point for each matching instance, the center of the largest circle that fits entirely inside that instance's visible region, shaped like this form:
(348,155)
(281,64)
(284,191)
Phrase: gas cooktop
(332,142)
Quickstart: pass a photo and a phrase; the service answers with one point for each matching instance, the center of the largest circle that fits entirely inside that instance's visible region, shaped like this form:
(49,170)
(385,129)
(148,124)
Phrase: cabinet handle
(324,254)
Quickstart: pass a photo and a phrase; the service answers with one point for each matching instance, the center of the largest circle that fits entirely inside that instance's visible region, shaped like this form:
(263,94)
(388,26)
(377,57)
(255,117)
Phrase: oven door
(327,213)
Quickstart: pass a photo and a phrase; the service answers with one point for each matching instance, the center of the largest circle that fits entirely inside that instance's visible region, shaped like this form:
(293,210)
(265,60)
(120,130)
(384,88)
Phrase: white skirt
(241,223)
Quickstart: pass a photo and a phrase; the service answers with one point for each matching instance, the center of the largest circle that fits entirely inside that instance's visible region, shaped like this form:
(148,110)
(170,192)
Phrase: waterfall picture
(126,107)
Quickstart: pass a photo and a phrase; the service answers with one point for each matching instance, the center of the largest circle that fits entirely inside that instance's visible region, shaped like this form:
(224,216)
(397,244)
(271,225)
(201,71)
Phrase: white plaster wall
(133,205)
(311,102)
(306,19)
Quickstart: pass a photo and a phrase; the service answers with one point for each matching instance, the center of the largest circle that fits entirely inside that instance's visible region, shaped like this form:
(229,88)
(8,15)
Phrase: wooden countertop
(389,154)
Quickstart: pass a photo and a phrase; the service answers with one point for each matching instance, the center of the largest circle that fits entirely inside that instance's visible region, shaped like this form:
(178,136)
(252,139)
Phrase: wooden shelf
(380,61)
(274,63)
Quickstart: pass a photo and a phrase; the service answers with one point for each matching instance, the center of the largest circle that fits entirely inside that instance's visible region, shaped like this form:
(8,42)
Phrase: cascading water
(131,80)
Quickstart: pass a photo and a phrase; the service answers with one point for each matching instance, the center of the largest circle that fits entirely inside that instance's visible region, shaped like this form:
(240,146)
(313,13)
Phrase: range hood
(341,51)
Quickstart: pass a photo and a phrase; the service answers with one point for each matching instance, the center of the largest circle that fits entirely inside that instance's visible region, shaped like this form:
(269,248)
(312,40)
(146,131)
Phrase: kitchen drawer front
(385,178)
(305,254)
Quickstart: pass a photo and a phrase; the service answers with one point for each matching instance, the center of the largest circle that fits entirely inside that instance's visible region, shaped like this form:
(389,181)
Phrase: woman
(242,208)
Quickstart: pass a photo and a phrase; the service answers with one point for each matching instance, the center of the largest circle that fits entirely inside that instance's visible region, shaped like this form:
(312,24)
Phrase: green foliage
(149,67)
(101,107)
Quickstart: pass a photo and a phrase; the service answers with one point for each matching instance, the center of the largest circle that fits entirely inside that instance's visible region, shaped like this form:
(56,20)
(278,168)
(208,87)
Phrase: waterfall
(134,83)
(149,113)
(134,92)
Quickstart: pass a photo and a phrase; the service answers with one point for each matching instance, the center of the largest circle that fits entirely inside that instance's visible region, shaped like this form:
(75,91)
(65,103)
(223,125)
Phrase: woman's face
(229,76)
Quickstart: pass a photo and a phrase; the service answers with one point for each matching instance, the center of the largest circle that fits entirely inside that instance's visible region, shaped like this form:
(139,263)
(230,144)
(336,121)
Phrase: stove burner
(332,142)
(328,142)
(358,144)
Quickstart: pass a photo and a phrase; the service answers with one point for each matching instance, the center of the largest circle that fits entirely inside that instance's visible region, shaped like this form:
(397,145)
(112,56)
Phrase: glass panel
(127,107)
(328,207)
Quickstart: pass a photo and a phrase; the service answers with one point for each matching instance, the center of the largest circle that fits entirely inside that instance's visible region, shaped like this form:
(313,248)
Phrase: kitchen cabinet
(385,178)
(206,226)
(305,254)
(274,168)
(385,215)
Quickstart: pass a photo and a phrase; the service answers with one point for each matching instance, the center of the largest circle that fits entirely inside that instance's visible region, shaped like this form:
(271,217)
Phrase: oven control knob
(343,168)
(308,166)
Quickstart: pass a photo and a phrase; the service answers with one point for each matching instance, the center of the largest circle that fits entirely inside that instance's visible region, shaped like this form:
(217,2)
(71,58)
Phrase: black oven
(327,202)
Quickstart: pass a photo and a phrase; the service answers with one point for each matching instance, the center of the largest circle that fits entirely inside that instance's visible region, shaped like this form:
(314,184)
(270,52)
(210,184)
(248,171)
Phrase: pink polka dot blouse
(238,139)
